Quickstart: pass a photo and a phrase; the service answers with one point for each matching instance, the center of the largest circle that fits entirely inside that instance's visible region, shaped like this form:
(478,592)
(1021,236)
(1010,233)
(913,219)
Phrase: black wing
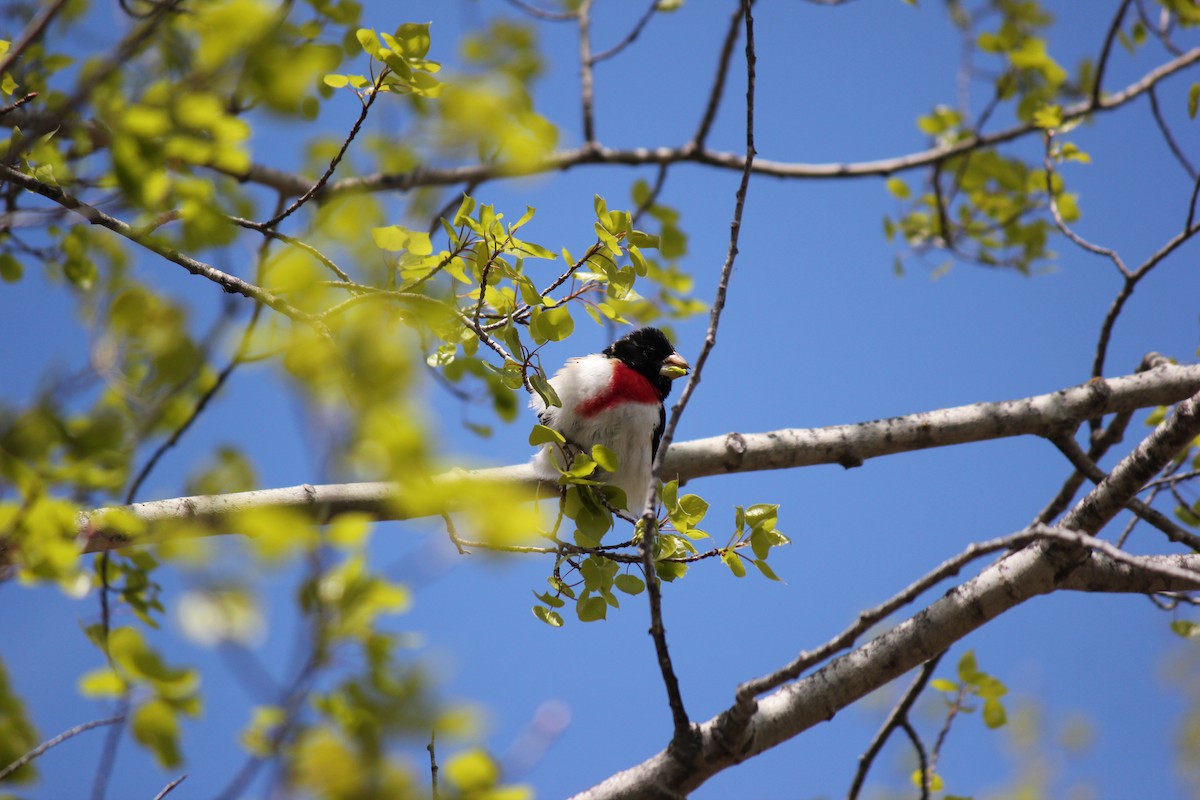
(656,437)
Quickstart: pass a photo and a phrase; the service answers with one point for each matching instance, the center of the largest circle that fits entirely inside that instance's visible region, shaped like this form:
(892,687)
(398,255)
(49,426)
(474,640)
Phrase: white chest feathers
(603,402)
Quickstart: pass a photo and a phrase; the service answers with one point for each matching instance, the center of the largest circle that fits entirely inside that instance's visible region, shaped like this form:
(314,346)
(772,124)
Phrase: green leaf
(542,434)
(968,668)
(582,466)
(413,39)
(10,268)
(944,685)
(17,734)
(994,715)
(102,682)
(1189,516)
(605,458)
(766,570)
(464,210)
(545,391)
(336,81)
(369,41)
(1048,117)
(1193,101)
(693,506)
(898,188)
(935,781)
(591,609)
(528,215)
(734,562)
(1185,628)
(551,618)
(472,772)
(551,324)
(629,584)
(393,237)
(155,727)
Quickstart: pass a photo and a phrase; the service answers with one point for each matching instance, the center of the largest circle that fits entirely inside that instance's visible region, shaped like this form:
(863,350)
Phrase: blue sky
(818,331)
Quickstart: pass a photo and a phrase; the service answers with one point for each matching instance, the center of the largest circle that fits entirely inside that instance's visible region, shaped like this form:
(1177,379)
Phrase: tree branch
(54,742)
(847,445)
(95,216)
(751,726)
(596,153)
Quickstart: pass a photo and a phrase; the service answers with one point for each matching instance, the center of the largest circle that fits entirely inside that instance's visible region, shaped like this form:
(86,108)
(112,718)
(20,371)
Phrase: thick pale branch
(848,445)
(751,726)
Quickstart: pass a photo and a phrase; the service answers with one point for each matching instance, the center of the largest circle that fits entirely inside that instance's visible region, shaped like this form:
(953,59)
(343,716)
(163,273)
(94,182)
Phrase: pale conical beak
(674,366)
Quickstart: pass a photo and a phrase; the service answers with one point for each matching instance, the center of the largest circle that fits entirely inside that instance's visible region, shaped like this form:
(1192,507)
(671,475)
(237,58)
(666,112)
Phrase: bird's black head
(650,352)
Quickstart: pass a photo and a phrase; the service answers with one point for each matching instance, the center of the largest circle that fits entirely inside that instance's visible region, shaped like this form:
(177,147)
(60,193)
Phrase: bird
(613,398)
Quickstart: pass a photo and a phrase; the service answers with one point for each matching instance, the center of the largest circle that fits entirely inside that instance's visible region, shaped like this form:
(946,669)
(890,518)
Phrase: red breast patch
(626,386)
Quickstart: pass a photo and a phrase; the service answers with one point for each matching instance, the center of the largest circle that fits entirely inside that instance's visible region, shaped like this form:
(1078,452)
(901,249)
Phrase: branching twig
(95,216)
(596,153)
(922,760)
(1061,224)
(1079,459)
(297,243)
(207,396)
(1190,229)
(898,717)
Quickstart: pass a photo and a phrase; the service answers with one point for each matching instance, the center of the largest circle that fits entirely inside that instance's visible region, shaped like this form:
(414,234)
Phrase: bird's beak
(674,366)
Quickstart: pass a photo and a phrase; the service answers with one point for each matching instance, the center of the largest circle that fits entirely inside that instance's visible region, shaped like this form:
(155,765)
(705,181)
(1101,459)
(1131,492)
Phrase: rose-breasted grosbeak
(614,398)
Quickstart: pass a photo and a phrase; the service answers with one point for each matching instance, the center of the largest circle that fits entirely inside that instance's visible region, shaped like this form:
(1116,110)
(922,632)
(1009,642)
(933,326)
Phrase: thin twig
(684,733)
(922,760)
(1061,224)
(1161,121)
(20,101)
(596,153)
(1114,311)
(630,38)
(660,180)
(297,243)
(700,139)
(33,31)
(57,740)
(433,765)
(337,159)
(747,691)
(112,740)
(541,13)
(229,283)
(170,787)
(206,397)
(1174,479)
(1079,459)
(895,719)
(1102,63)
